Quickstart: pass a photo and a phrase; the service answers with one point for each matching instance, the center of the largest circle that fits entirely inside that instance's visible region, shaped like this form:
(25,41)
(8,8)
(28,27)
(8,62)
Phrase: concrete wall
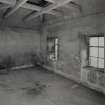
(19,44)
(68,31)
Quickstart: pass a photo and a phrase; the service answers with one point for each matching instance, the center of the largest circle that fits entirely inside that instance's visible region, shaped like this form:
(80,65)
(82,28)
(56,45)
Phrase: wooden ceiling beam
(31,7)
(34,7)
(68,6)
(15,8)
(37,8)
(47,9)
(24,5)
(51,1)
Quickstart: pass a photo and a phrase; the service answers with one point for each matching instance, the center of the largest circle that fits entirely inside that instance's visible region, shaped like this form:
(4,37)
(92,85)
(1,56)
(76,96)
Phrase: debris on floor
(37,89)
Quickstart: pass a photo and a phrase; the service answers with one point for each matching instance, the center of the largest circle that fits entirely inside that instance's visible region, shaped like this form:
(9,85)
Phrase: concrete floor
(14,89)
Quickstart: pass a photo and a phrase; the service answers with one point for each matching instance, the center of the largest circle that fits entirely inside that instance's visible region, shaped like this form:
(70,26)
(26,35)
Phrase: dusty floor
(16,89)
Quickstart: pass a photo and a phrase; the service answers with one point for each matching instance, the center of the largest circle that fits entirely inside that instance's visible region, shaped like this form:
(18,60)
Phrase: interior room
(52,52)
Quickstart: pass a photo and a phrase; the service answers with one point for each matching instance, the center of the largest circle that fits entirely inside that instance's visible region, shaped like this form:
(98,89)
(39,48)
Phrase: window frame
(88,51)
(55,51)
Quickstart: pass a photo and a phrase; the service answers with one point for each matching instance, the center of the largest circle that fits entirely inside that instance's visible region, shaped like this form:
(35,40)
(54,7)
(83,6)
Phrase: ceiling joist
(31,7)
(47,9)
(68,6)
(15,8)
(24,4)
(51,1)
(37,8)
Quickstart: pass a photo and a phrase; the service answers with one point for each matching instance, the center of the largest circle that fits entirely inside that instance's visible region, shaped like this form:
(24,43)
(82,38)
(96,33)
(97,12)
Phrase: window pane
(101,52)
(101,41)
(93,41)
(93,61)
(101,63)
(94,51)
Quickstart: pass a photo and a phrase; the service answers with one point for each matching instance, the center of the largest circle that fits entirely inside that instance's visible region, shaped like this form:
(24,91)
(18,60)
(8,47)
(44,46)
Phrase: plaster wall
(68,32)
(19,44)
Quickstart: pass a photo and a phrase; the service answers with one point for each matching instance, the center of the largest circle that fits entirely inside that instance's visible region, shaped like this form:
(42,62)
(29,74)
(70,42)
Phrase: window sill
(95,69)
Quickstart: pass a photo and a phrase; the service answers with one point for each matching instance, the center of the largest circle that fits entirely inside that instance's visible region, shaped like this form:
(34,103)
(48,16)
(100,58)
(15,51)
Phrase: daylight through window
(96,52)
